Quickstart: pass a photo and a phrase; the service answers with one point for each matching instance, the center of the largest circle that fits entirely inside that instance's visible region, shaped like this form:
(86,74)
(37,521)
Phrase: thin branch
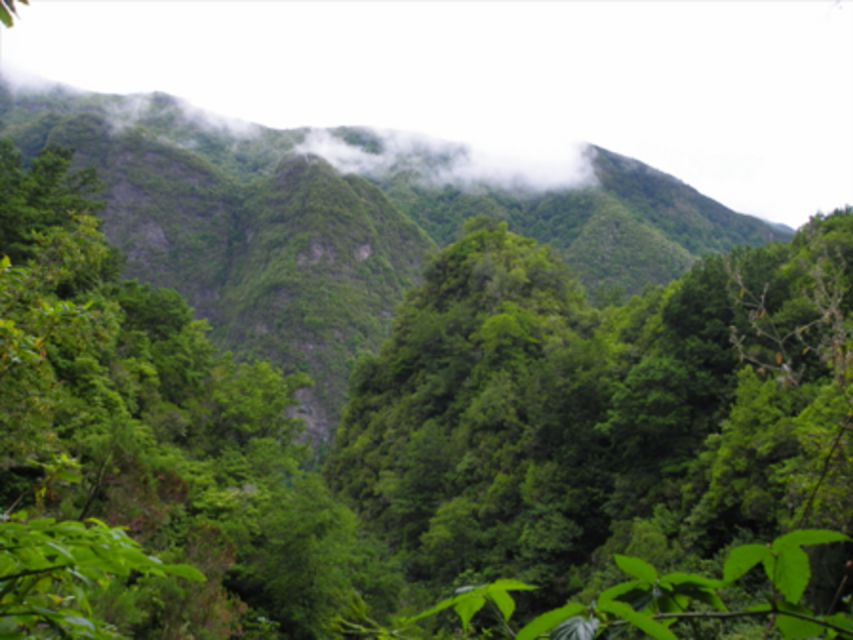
(33,572)
(731,615)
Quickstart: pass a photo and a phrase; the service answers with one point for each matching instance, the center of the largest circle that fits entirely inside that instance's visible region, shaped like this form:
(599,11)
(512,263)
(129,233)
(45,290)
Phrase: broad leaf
(506,584)
(467,606)
(438,608)
(624,588)
(186,571)
(796,628)
(709,597)
(636,568)
(549,620)
(504,602)
(791,573)
(808,537)
(679,578)
(499,586)
(742,559)
(78,621)
(842,621)
(673,603)
(643,622)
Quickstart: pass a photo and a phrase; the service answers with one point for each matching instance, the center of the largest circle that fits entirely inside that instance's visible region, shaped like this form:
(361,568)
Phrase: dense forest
(508,434)
(301,260)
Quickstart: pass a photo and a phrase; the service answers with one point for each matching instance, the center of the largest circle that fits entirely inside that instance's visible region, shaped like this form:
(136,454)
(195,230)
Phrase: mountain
(627,226)
(297,245)
(287,259)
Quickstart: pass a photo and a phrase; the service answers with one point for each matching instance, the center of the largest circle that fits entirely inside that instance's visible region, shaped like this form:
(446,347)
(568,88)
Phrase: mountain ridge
(296,259)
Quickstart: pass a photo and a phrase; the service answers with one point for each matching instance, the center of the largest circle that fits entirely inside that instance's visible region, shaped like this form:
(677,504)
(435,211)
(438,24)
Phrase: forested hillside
(302,261)
(514,418)
(622,228)
(117,407)
(288,259)
(507,429)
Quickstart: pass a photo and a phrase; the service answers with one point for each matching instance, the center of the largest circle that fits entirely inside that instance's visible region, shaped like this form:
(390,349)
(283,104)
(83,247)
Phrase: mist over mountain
(297,245)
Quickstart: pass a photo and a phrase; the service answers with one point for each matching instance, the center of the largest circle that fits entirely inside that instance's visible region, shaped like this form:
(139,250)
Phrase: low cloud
(19,81)
(379,153)
(127,111)
(124,111)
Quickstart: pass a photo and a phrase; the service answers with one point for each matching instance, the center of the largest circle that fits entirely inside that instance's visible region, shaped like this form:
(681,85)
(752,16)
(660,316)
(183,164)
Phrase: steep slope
(631,227)
(303,260)
(288,260)
(617,252)
(452,431)
(320,263)
(696,222)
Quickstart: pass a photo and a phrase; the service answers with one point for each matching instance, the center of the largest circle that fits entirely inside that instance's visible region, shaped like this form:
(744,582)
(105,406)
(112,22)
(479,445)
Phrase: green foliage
(192,452)
(637,228)
(49,570)
(659,606)
(45,196)
(500,428)
(293,262)
(289,260)
(505,427)
(459,370)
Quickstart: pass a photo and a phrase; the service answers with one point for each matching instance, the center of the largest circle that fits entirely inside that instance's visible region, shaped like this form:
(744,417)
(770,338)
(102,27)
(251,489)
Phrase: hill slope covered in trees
(507,428)
(116,406)
(295,259)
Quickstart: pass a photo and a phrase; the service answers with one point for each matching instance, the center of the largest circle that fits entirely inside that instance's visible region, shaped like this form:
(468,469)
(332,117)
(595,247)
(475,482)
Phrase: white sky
(749,102)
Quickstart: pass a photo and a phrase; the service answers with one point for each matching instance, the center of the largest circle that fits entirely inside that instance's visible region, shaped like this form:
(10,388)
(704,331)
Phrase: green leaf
(841,620)
(624,588)
(548,620)
(808,537)
(672,603)
(504,602)
(5,16)
(678,578)
(695,587)
(438,608)
(186,571)
(791,573)
(636,568)
(709,597)
(61,550)
(505,584)
(499,586)
(467,607)
(643,622)
(77,621)
(742,559)
(797,628)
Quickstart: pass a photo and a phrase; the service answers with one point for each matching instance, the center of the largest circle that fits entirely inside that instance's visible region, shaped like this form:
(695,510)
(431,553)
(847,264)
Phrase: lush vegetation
(508,434)
(635,227)
(293,262)
(117,410)
(508,428)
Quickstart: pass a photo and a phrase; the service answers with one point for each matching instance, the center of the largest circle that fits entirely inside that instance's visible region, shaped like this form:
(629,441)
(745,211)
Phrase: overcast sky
(751,103)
